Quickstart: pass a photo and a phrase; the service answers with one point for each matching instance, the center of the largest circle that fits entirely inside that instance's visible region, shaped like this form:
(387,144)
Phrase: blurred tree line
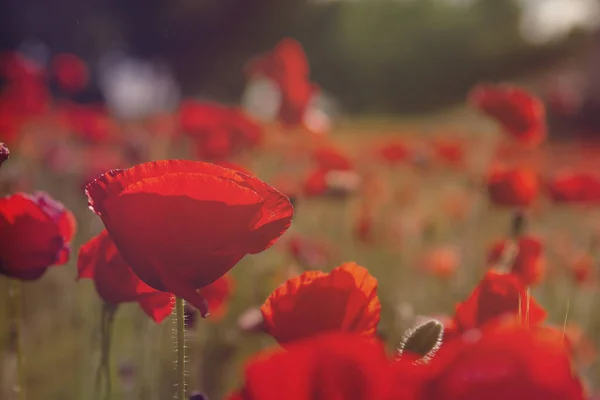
(374,56)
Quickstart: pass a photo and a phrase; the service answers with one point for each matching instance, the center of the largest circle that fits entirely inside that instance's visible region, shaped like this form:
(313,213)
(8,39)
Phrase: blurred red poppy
(88,122)
(574,187)
(521,114)
(219,131)
(331,158)
(35,232)
(4,153)
(448,152)
(498,295)
(529,263)
(181,225)
(506,361)
(441,262)
(114,280)
(518,187)
(25,92)
(394,152)
(287,66)
(295,309)
(333,366)
(70,72)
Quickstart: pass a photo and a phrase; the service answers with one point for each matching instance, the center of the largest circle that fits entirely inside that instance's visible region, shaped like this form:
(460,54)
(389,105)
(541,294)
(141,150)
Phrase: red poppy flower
(4,153)
(582,267)
(331,158)
(363,229)
(529,263)
(577,187)
(217,295)
(295,309)
(89,122)
(441,262)
(503,362)
(35,232)
(70,71)
(495,296)
(334,366)
(394,152)
(288,67)
(521,114)
(513,187)
(315,183)
(219,131)
(449,152)
(115,282)
(181,225)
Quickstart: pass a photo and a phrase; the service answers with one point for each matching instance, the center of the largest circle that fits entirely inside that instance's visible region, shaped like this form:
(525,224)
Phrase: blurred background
(401,56)
(388,70)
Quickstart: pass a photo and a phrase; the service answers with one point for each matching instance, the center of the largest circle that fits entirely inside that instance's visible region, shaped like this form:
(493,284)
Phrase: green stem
(179,303)
(110,318)
(14,294)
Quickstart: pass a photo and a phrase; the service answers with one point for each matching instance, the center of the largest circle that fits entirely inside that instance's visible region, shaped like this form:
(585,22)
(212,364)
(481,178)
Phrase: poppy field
(210,252)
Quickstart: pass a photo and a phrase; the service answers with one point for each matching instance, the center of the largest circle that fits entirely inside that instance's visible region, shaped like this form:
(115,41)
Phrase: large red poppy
(529,263)
(35,233)
(296,310)
(334,366)
(498,295)
(115,282)
(503,361)
(181,225)
(521,114)
(518,187)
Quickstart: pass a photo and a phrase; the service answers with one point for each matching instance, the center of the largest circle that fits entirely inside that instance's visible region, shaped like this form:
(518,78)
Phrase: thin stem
(179,312)
(14,294)
(110,318)
(99,371)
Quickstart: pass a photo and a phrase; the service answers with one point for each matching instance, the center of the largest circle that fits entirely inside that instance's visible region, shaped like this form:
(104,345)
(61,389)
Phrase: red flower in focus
(529,263)
(181,225)
(114,280)
(517,187)
(235,167)
(287,66)
(295,310)
(503,362)
(35,232)
(520,114)
(70,72)
(495,296)
(219,131)
(579,187)
(217,295)
(4,153)
(334,366)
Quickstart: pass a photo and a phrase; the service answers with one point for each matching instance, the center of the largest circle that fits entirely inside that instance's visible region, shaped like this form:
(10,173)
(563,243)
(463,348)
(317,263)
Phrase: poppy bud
(423,340)
(4,153)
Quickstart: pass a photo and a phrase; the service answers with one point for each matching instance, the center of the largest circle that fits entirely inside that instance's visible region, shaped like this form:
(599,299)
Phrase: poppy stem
(15,300)
(180,320)
(110,311)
